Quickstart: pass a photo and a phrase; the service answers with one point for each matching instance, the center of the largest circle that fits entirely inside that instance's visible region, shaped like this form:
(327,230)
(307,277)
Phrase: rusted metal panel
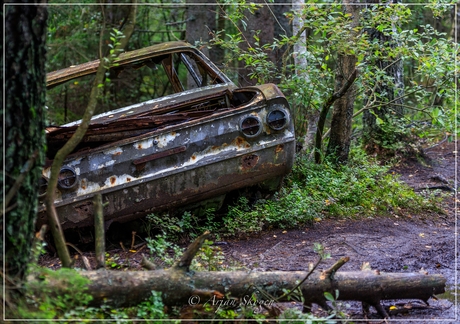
(175,150)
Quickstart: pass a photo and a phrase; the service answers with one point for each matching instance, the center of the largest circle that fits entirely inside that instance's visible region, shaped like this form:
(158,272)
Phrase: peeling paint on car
(164,140)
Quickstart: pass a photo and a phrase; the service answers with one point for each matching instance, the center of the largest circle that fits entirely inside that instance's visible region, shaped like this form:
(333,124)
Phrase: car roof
(75,71)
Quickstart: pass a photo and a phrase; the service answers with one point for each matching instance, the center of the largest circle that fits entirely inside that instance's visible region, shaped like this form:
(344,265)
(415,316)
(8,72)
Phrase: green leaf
(329,296)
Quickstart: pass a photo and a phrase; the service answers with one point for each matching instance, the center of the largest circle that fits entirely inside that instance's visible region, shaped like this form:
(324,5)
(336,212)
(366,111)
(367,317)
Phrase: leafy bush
(316,191)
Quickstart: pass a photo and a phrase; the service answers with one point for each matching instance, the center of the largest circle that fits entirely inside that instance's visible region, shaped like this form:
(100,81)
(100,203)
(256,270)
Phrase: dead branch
(99,231)
(186,259)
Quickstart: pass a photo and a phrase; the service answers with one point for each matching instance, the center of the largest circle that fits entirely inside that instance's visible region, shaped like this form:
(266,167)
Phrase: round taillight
(42,186)
(277,119)
(251,126)
(67,178)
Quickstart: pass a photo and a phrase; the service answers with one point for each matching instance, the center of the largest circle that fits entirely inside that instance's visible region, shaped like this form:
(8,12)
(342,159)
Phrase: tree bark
(345,86)
(312,114)
(389,93)
(455,21)
(24,120)
(340,138)
(99,231)
(181,287)
(201,23)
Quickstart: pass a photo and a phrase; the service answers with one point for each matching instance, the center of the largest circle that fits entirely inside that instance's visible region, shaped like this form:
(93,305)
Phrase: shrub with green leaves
(317,191)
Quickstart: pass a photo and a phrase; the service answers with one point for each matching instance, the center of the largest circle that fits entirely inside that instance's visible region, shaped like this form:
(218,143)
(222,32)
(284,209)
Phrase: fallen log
(181,286)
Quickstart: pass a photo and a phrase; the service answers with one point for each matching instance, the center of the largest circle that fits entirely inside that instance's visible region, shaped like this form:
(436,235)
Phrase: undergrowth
(313,192)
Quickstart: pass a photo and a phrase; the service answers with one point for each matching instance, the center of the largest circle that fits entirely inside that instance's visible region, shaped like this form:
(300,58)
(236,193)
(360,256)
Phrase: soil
(404,243)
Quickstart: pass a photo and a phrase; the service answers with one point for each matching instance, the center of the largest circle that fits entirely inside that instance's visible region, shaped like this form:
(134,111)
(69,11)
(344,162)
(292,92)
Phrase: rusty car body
(202,138)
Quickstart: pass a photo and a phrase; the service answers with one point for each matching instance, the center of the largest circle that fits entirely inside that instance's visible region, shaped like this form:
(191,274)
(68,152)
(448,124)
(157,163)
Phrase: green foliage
(150,311)
(428,57)
(44,302)
(169,226)
(189,225)
(163,249)
(151,308)
(209,258)
(296,316)
(242,218)
(362,188)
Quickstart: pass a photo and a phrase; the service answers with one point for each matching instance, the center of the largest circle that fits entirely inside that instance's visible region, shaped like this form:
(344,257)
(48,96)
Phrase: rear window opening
(132,84)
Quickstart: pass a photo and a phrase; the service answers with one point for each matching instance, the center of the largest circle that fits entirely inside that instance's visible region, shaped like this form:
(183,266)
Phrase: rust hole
(193,157)
(249,161)
(113,179)
(128,179)
(139,146)
(239,141)
(84,208)
(279,148)
(140,167)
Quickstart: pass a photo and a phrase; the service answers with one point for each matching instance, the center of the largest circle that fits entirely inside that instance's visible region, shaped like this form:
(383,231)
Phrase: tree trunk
(300,61)
(201,23)
(24,120)
(389,94)
(340,138)
(455,21)
(339,93)
(181,286)
(261,23)
(127,288)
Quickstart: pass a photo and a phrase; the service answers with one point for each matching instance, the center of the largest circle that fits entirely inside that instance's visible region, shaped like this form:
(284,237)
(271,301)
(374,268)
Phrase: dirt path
(393,244)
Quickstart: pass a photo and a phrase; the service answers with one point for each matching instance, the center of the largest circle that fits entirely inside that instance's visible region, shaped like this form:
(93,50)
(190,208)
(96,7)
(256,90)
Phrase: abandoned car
(185,134)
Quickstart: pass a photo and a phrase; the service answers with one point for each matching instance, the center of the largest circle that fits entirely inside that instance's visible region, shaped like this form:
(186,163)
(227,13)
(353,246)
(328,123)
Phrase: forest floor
(390,244)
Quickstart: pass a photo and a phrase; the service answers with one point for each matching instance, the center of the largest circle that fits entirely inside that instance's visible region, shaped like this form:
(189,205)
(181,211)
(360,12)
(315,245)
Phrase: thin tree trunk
(313,116)
(99,231)
(262,24)
(53,218)
(389,93)
(340,137)
(300,61)
(455,21)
